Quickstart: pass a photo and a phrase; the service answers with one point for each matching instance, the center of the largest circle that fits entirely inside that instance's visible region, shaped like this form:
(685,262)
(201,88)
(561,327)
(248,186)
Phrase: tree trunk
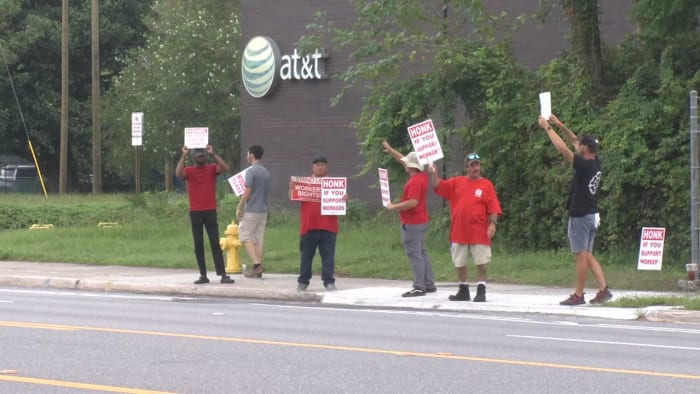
(585,39)
(169,173)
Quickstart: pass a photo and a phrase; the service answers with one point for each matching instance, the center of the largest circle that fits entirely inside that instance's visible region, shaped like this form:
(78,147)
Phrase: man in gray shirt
(252,211)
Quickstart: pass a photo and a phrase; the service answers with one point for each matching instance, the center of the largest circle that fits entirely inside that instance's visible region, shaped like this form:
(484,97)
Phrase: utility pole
(96,124)
(63,154)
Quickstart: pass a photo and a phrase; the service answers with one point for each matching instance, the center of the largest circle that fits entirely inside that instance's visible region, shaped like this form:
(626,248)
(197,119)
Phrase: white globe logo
(260,65)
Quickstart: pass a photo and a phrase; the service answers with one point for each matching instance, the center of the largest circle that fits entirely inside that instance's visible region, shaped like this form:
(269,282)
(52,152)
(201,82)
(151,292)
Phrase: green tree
(30,36)
(186,75)
(417,59)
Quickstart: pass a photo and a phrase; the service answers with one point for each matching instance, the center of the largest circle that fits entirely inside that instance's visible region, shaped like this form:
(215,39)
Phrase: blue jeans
(325,242)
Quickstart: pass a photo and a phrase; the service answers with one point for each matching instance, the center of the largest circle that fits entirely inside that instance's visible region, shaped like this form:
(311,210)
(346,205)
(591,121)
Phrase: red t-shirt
(416,188)
(311,218)
(471,203)
(201,186)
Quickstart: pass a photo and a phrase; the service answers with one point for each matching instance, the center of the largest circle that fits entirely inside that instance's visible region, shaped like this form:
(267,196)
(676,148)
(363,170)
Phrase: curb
(671,315)
(212,290)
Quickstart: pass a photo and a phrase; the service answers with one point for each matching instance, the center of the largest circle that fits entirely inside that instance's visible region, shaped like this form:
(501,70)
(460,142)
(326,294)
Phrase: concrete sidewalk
(351,291)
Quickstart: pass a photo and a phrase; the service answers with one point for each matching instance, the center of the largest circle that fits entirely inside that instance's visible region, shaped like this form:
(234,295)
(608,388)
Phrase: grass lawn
(154,231)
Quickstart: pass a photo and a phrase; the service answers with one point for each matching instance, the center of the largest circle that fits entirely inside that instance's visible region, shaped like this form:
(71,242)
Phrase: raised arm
(558,143)
(570,135)
(180,169)
(222,165)
(393,152)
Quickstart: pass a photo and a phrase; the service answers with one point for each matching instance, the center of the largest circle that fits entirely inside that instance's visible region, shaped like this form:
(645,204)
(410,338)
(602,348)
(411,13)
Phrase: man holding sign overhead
(584,218)
(413,213)
(201,191)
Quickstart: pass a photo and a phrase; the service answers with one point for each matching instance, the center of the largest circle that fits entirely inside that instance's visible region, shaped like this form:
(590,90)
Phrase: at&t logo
(262,66)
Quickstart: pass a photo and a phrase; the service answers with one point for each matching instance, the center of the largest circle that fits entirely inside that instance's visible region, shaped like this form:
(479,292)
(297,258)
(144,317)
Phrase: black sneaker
(480,293)
(413,293)
(574,299)
(227,279)
(302,286)
(202,280)
(462,294)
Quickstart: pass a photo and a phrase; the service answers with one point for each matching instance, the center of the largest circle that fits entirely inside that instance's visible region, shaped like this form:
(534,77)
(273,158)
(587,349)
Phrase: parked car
(20,178)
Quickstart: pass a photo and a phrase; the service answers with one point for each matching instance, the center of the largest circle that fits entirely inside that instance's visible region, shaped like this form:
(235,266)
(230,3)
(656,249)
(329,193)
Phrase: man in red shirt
(201,191)
(413,213)
(474,210)
(317,231)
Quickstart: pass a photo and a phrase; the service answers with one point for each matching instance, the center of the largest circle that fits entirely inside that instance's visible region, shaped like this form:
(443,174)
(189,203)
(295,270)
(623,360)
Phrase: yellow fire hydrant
(231,244)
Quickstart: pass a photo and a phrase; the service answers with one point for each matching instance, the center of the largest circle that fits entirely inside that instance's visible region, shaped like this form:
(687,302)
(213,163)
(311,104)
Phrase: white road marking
(604,342)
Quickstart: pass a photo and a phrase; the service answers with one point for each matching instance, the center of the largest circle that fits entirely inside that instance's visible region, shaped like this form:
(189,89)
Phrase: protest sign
(305,188)
(384,186)
(651,248)
(196,137)
(333,191)
(425,142)
(546,105)
(237,183)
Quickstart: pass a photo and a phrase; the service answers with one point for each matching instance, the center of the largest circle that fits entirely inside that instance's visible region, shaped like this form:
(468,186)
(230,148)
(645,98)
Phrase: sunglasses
(473,156)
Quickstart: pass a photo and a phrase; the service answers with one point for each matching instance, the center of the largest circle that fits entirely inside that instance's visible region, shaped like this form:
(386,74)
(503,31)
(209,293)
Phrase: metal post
(694,180)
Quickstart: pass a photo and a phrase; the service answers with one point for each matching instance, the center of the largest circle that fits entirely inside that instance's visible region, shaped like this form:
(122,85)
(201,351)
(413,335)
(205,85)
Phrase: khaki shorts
(461,252)
(252,227)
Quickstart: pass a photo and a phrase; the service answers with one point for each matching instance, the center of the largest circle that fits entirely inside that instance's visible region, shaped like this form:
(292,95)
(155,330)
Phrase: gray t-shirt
(258,180)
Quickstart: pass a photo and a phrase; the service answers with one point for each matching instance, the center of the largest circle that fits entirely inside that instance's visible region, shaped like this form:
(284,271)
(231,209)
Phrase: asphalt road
(81,342)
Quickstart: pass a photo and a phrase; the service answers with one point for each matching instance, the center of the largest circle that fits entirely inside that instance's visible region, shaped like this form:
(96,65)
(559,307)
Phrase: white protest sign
(237,183)
(136,128)
(384,186)
(425,142)
(651,248)
(196,137)
(546,105)
(333,191)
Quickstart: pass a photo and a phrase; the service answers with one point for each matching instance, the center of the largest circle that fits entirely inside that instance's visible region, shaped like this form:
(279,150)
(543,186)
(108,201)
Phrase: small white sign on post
(237,183)
(196,137)
(333,191)
(546,104)
(425,142)
(384,186)
(136,128)
(651,248)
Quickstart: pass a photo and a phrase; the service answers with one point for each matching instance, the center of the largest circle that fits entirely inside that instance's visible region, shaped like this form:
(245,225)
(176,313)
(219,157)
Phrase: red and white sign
(237,183)
(333,192)
(425,142)
(196,137)
(136,128)
(651,248)
(305,188)
(384,186)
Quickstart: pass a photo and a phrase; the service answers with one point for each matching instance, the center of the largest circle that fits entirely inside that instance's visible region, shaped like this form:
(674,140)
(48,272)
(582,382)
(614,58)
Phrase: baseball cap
(411,160)
(590,141)
(319,159)
(199,152)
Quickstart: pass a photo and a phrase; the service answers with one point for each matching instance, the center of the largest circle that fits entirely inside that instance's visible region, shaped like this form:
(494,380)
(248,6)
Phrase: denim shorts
(581,231)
